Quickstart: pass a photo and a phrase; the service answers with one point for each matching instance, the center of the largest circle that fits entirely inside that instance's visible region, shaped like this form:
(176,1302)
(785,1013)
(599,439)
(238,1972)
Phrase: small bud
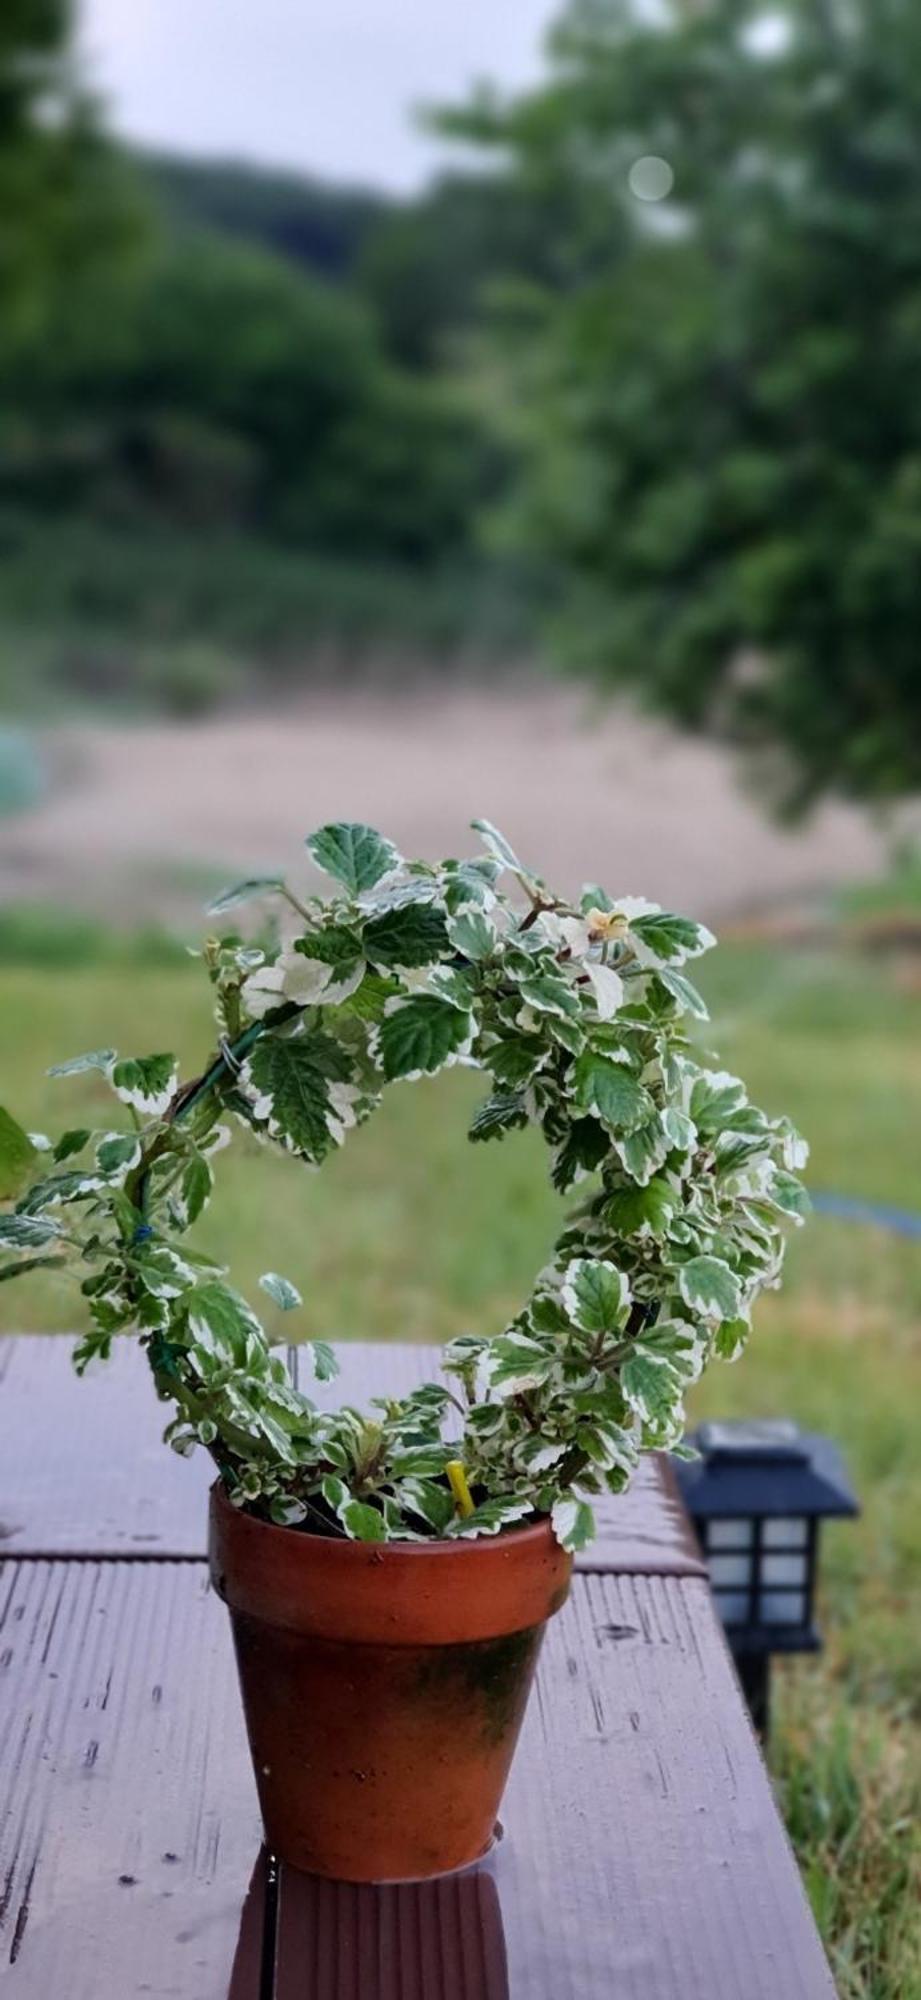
(606,924)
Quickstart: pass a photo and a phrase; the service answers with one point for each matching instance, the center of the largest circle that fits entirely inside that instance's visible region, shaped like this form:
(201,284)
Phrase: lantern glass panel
(783,1607)
(736,1569)
(732,1606)
(728,1534)
(784,1569)
(784,1531)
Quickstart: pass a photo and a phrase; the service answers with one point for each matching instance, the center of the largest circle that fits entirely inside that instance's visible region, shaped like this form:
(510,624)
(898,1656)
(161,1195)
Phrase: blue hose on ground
(879,1215)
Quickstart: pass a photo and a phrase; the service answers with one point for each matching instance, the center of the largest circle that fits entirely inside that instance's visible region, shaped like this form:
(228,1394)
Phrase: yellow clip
(457,1479)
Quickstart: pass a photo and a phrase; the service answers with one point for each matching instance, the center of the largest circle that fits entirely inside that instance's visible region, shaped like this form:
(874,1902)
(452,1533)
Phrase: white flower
(575,934)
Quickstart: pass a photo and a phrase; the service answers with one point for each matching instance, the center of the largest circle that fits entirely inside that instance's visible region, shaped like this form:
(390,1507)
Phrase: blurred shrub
(42,935)
(190,678)
(127,617)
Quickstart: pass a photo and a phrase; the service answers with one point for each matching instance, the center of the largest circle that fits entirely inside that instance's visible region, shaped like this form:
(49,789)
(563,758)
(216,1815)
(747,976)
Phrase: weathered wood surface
(129,1827)
(110,1489)
(642,1857)
(642,1854)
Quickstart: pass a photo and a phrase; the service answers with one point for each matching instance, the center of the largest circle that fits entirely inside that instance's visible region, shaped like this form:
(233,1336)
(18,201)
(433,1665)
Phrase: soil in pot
(383,1686)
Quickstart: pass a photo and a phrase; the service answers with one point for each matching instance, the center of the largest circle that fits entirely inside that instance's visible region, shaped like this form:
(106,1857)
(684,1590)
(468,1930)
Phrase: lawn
(409,1235)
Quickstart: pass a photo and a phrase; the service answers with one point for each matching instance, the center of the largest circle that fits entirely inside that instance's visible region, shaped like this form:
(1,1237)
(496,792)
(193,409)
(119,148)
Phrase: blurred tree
(312,222)
(719,409)
(190,348)
(70,215)
(230,389)
(432,265)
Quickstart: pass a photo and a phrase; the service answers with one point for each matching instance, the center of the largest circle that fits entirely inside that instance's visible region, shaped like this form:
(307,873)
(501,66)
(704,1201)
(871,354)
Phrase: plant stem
(225,1063)
(296,904)
(527,1408)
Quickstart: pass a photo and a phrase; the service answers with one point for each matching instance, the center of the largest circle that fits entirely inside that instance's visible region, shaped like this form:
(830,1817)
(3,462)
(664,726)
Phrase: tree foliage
(719,406)
(173,356)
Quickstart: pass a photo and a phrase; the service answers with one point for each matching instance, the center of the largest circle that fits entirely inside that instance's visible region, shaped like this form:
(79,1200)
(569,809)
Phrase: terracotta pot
(383,1686)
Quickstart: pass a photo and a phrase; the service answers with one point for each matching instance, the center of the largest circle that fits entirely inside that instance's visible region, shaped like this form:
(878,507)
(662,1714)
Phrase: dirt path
(147,818)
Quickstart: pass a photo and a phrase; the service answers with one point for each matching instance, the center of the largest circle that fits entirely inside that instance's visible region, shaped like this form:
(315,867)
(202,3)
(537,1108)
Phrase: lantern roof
(752,1468)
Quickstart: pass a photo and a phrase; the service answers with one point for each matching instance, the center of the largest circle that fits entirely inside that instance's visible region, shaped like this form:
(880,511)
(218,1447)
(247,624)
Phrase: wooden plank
(642,1855)
(129,1828)
(109,1488)
(642,1859)
(83,1467)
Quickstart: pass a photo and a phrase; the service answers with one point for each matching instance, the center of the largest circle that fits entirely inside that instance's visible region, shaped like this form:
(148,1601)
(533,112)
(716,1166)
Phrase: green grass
(409,1235)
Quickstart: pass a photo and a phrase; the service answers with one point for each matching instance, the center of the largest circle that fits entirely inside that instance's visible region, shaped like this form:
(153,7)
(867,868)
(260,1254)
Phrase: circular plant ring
(582,1017)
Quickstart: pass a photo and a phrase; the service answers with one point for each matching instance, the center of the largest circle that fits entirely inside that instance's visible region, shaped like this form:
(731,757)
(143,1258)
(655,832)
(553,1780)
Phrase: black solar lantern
(757,1495)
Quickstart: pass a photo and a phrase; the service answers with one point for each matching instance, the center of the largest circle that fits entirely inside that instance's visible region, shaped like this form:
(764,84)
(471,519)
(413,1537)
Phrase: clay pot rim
(420,1593)
(439,1545)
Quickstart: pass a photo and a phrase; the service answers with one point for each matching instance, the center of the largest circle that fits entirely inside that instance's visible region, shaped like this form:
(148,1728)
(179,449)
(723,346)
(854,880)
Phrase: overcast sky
(323,85)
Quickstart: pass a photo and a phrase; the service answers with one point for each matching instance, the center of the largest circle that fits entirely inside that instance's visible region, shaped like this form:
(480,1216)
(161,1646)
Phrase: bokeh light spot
(650,178)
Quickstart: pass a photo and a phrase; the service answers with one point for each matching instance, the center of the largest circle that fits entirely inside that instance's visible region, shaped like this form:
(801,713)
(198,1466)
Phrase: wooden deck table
(642,1856)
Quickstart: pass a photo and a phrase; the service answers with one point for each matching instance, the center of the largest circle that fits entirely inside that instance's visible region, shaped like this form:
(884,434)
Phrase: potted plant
(389,1573)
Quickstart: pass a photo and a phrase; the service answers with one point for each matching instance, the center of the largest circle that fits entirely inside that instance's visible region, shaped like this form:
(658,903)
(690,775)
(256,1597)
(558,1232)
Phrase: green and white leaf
(596,1295)
(548,993)
(71,1142)
(405,938)
(244,892)
(501,1113)
(651,1386)
(101,1059)
(117,1153)
(612,1091)
(27,1232)
(363,1523)
(516,1363)
(789,1195)
(674,1341)
(473,935)
(17,1157)
(162,1272)
(573,1523)
(280,1290)
(709,1287)
(419,1036)
(490,1517)
(641,1211)
(660,938)
(147,1083)
(299,1084)
(716,1098)
(195,1187)
(686,994)
(502,851)
(643,1151)
(323,1356)
(730,1338)
(354,854)
(222,1321)
(433,1503)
